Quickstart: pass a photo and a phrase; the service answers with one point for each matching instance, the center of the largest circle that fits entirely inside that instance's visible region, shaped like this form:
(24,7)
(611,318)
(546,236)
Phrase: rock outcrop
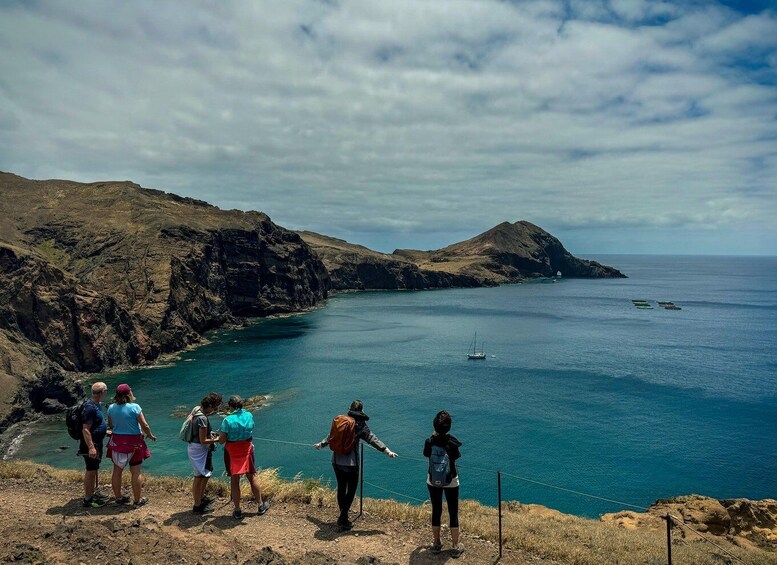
(100,275)
(740,520)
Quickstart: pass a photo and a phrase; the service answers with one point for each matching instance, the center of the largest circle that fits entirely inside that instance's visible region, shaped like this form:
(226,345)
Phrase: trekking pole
(499,496)
(668,519)
(361,482)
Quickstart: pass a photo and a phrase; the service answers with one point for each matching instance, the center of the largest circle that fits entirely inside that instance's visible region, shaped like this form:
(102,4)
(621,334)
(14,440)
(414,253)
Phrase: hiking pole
(361,482)
(499,496)
(668,519)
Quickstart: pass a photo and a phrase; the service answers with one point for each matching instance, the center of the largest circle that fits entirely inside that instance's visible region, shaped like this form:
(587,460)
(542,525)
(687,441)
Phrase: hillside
(509,253)
(99,275)
(354,267)
(45,523)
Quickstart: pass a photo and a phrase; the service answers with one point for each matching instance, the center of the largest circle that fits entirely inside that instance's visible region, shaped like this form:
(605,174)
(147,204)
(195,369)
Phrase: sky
(620,126)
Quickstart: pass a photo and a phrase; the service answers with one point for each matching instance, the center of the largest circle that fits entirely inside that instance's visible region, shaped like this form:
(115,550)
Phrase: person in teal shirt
(237,434)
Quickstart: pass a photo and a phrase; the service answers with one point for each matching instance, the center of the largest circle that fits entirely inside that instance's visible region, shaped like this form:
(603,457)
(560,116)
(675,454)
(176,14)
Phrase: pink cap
(123,389)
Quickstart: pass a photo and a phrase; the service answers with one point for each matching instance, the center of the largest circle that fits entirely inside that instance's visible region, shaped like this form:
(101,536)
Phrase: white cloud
(404,117)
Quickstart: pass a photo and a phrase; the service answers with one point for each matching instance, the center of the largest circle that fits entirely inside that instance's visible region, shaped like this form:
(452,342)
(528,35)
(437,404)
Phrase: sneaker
(200,508)
(263,508)
(123,500)
(437,548)
(141,502)
(94,502)
(457,551)
(100,496)
(237,514)
(206,500)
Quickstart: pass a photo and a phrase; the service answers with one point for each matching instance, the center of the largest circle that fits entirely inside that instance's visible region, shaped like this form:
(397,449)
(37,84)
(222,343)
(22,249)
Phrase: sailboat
(475,354)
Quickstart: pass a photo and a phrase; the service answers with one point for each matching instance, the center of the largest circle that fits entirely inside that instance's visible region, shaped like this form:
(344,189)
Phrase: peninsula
(101,275)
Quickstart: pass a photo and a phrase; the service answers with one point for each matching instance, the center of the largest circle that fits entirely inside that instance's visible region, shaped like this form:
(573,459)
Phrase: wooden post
(668,519)
(499,496)
(361,482)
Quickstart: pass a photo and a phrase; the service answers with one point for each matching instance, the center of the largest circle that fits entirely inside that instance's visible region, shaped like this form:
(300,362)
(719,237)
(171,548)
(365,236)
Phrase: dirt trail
(44,521)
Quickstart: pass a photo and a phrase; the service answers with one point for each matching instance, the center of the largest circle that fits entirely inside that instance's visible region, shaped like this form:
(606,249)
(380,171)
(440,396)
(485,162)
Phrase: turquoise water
(580,389)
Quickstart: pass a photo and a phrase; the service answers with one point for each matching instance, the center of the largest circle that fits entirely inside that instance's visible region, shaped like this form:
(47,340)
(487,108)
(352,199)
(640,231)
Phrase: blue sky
(621,126)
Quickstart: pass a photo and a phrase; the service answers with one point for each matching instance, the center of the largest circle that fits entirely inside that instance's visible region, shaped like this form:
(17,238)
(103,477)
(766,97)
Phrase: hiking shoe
(345,525)
(263,508)
(94,502)
(237,514)
(200,508)
(207,500)
(457,551)
(437,548)
(100,496)
(141,502)
(123,500)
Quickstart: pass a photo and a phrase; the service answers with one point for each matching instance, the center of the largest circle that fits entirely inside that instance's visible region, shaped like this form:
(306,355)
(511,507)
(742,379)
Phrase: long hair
(123,398)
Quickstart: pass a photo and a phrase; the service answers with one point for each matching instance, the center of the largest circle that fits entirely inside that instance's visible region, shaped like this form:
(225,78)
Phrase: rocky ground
(45,522)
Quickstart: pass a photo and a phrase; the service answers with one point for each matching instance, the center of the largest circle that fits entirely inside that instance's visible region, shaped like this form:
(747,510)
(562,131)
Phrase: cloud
(439,117)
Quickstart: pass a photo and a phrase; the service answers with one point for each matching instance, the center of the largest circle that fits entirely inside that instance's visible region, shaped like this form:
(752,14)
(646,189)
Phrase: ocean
(580,389)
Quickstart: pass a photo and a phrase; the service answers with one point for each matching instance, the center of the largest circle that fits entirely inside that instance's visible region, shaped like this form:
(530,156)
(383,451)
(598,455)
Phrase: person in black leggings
(346,466)
(442,477)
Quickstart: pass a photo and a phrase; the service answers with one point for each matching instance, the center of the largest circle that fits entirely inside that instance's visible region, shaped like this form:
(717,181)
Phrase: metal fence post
(361,482)
(668,519)
(499,496)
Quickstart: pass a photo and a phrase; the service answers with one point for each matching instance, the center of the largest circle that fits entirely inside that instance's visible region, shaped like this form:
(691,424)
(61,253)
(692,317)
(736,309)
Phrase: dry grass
(537,530)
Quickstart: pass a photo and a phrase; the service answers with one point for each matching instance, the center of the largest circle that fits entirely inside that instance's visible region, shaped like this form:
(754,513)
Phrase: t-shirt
(124,418)
(93,417)
(238,426)
(199,421)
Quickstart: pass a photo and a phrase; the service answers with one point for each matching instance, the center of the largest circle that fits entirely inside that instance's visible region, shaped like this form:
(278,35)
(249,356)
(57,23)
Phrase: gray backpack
(186,428)
(439,467)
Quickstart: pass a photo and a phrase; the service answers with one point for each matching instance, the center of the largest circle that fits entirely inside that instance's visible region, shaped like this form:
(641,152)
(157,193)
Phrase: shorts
(121,460)
(239,458)
(92,464)
(201,458)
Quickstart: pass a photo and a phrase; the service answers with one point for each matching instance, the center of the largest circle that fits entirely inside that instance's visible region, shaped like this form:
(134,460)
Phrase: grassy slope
(527,528)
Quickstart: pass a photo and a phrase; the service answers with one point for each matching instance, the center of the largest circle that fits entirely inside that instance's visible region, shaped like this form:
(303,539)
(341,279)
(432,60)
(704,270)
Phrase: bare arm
(222,437)
(87,434)
(205,439)
(145,428)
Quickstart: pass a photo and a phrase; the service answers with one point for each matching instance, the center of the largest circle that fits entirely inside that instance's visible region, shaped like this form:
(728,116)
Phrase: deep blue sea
(580,389)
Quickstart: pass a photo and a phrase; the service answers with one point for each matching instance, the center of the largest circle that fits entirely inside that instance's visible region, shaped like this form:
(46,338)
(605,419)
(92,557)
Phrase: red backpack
(342,435)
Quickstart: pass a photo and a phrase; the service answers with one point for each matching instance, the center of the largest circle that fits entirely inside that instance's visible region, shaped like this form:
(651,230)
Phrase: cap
(123,389)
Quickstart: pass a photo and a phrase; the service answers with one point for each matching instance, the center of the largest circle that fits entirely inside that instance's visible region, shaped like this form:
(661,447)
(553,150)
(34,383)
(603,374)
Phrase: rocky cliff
(93,276)
(506,253)
(354,267)
(100,275)
(509,253)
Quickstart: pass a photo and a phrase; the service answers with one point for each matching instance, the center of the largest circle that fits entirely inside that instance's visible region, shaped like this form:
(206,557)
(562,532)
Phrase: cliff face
(507,253)
(98,275)
(354,267)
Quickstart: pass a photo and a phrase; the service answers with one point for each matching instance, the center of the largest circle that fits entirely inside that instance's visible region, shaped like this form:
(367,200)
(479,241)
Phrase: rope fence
(670,519)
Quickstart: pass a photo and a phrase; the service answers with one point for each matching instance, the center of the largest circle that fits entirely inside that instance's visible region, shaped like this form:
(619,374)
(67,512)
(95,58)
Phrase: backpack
(186,428)
(439,467)
(74,419)
(342,435)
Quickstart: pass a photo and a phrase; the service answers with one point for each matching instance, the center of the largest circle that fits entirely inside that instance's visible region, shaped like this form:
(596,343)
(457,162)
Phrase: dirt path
(43,520)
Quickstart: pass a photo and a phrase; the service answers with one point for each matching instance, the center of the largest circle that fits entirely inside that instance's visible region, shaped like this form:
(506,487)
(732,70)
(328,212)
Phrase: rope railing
(670,518)
(682,524)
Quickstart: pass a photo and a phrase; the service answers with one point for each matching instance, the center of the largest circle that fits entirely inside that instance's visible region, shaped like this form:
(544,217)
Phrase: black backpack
(74,419)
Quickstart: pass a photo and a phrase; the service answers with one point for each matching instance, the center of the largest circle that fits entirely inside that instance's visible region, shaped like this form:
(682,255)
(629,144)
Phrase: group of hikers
(127,430)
